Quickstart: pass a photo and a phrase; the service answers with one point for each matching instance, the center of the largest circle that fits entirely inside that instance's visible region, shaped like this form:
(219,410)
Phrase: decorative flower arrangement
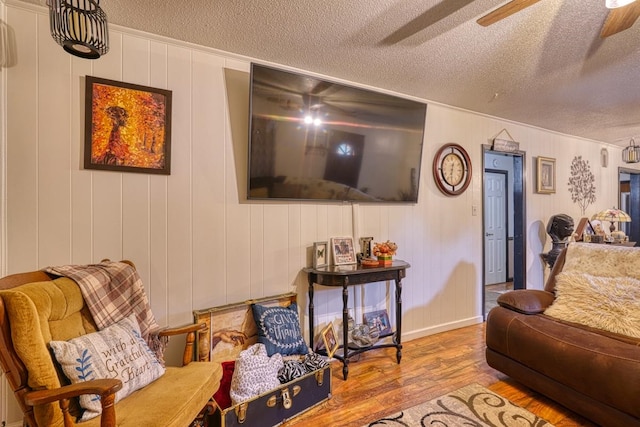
(385,248)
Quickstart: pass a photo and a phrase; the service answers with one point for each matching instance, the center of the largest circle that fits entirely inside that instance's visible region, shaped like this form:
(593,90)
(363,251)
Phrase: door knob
(488,234)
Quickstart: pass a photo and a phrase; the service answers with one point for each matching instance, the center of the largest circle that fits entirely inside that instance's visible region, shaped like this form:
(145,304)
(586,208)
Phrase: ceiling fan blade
(620,19)
(504,11)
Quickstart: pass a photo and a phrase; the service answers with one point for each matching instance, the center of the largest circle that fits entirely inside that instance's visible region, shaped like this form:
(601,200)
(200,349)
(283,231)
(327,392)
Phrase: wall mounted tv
(314,139)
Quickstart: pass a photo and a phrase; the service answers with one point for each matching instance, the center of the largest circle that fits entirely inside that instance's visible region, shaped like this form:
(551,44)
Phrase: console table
(349,275)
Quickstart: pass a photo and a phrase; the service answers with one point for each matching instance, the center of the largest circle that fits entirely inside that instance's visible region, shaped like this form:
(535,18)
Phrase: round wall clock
(452,169)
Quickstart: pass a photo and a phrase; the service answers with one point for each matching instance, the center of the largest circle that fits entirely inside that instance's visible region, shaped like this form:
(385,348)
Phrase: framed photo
(343,252)
(320,254)
(378,321)
(127,127)
(546,175)
(584,227)
(329,339)
(366,246)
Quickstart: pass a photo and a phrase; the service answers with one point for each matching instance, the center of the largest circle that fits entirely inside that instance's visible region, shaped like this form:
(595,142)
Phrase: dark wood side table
(348,275)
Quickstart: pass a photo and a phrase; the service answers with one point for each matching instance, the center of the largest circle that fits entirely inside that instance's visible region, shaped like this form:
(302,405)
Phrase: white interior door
(495,228)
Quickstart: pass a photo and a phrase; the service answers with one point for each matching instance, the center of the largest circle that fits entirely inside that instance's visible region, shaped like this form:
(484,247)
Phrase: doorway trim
(518,196)
(634,212)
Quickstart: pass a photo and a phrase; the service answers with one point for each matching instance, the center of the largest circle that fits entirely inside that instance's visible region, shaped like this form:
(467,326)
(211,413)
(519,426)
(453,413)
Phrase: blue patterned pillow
(279,329)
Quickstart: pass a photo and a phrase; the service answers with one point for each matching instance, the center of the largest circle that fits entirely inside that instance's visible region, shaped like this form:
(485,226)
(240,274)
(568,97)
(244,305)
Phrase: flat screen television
(314,139)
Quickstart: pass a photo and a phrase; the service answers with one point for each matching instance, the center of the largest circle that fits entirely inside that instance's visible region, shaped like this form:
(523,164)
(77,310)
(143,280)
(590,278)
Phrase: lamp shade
(612,215)
(613,4)
(631,154)
(79,26)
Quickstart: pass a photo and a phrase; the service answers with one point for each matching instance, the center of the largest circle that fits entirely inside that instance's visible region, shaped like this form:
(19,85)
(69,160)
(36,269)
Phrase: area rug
(472,405)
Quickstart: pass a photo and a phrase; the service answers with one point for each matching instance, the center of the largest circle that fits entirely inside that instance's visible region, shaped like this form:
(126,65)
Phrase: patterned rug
(472,405)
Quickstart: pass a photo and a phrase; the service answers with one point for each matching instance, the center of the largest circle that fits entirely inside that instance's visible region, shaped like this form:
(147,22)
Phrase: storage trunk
(278,405)
(233,329)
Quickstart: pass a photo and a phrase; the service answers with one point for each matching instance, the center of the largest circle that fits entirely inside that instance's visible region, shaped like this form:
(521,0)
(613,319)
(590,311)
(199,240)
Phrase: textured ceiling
(545,66)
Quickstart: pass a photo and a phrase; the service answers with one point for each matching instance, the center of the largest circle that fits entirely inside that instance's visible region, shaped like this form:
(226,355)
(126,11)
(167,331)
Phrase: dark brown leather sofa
(590,371)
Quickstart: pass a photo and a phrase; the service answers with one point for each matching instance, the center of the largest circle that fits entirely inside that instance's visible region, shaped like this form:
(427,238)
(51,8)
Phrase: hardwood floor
(431,366)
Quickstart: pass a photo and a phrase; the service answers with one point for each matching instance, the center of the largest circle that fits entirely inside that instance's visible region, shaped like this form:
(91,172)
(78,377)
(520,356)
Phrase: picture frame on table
(127,127)
(366,246)
(546,175)
(330,339)
(379,321)
(343,251)
(584,227)
(320,254)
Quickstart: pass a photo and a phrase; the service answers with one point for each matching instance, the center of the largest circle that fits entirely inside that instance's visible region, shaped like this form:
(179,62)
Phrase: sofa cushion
(40,312)
(117,351)
(173,400)
(594,364)
(603,260)
(610,304)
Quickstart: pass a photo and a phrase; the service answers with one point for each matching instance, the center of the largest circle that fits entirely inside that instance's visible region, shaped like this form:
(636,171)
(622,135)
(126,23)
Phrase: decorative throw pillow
(291,370)
(255,373)
(296,368)
(608,303)
(117,351)
(279,329)
(223,395)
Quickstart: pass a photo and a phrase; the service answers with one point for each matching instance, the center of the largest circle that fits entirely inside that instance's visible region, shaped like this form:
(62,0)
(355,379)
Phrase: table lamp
(612,215)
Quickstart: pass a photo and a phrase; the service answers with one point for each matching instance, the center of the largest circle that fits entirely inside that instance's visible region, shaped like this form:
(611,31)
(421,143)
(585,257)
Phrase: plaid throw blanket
(112,291)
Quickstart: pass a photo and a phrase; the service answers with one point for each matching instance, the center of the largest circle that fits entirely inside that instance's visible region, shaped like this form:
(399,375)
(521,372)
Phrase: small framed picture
(546,175)
(584,228)
(378,321)
(320,254)
(343,252)
(329,339)
(366,246)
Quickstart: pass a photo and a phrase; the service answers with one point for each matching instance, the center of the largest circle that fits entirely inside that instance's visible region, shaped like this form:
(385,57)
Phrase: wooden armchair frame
(17,375)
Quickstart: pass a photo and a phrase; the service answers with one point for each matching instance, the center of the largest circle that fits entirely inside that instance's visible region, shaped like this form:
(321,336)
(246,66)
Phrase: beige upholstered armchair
(35,309)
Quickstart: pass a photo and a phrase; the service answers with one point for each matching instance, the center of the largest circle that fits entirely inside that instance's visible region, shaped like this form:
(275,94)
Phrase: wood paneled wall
(195,239)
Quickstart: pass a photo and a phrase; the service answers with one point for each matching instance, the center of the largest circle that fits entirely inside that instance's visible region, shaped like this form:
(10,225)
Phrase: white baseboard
(443,327)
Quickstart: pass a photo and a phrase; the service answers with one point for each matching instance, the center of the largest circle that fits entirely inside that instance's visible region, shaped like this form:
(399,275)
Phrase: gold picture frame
(330,339)
(546,175)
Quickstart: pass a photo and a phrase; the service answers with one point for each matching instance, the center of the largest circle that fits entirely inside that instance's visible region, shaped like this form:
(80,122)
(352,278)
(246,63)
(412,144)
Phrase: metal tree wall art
(582,183)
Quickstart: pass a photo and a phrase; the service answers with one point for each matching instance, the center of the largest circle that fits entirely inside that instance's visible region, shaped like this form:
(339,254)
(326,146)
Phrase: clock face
(452,169)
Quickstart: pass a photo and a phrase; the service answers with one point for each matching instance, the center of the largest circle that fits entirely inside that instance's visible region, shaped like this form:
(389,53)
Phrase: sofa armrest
(526,301)
(195,327)
(191,331)
(106,388)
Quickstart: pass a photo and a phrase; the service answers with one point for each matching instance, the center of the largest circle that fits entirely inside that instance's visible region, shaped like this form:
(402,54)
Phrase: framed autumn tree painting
(127,127)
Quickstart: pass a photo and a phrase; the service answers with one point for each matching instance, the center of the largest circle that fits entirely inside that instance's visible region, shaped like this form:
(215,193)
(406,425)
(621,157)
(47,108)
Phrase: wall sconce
(631,154)
(80,27)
